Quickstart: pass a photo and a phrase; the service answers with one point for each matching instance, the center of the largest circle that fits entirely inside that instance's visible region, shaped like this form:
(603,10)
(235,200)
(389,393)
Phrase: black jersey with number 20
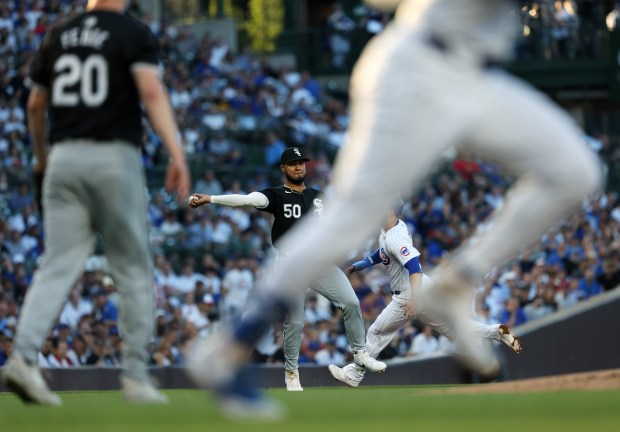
(85,64)
(288,206)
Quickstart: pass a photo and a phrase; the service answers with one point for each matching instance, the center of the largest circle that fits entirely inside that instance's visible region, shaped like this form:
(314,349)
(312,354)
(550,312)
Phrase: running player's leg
(69,241)
(382,331)
(122,221)
(555,169)
(379,335)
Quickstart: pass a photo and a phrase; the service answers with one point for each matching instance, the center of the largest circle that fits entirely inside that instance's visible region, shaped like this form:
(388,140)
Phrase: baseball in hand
(192,199)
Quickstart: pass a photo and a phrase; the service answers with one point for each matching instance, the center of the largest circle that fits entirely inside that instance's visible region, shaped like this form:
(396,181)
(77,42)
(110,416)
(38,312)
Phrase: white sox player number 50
(292,210)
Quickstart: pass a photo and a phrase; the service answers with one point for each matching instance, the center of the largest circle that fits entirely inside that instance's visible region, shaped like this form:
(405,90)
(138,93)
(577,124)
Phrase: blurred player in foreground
(289,204)
(91,73)
(407,282)
(420,87)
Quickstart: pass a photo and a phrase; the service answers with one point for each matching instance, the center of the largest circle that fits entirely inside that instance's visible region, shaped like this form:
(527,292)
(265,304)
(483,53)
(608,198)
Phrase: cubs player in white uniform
(420,87)
(401,259)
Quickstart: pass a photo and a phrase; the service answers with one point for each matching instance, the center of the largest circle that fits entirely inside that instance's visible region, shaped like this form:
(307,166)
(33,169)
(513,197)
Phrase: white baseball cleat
(291,379)
(363,359)
(509,338)
(141,393)
(341,375)
(27,382)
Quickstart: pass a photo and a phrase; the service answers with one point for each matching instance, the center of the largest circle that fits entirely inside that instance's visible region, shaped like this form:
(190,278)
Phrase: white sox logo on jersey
(385,259)
(318,205)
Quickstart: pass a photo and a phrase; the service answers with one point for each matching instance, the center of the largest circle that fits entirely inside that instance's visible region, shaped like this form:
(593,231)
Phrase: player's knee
(351,305)
(574,176)
(582,177)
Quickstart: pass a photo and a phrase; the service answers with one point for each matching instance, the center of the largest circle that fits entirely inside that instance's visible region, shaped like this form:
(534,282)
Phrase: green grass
(381,409)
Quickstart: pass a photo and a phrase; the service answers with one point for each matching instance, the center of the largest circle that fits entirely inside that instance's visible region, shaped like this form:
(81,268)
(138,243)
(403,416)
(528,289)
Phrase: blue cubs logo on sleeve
(404,251)
(384,258)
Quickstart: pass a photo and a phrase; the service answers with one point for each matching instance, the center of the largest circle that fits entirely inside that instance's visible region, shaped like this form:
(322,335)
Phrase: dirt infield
(599,380)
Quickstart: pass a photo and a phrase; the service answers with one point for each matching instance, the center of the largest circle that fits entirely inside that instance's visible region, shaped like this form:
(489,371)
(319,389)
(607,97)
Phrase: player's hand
(197,200)
(410,309)
(177,178)
(349,270)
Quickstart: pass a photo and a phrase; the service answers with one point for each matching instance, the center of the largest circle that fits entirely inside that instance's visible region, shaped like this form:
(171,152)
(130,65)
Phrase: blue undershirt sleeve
(369,261)
(413,265)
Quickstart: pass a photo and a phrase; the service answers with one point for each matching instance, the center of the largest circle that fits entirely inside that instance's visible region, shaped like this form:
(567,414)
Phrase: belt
(440,44)
(396,292)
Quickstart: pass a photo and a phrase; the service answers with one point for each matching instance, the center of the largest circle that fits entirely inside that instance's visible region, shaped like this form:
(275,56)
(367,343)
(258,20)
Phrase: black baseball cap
(292,154)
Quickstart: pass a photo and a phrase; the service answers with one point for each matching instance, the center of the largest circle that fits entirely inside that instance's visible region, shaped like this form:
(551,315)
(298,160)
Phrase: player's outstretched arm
(369,261)
(254,199)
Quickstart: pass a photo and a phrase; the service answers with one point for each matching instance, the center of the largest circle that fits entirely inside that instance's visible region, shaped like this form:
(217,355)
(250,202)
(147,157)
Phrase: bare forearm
(415,281)
(155,100)
(37,126)
(163,123)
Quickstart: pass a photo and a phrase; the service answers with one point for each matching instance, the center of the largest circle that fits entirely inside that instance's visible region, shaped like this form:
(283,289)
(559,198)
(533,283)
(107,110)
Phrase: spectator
(58,357)
(75,308)
(588,285)
(424,343)
(340,27)
(513,314)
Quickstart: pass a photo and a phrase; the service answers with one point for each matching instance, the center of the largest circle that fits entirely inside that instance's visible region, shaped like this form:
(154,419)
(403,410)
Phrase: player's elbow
(149,86)
(37,103)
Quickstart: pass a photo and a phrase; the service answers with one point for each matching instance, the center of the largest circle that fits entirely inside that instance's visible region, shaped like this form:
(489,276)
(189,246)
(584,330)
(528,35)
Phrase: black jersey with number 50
(288,206)
(85,64)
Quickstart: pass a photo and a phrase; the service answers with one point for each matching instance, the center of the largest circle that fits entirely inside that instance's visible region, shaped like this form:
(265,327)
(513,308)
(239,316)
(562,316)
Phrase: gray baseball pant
(93,188)
(335,286)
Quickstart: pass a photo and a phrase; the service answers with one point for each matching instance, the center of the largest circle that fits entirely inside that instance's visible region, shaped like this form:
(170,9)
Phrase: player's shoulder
(398,236)
(136,24)
(64,23)
(274,191)
(400,230)
(314,192)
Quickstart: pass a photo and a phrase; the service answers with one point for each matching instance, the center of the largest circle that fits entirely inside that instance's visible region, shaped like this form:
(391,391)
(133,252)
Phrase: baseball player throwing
(289,203)
(401,259)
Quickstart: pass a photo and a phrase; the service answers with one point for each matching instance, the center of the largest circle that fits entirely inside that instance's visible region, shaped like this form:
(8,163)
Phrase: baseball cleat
(341,375)
(141,393)
(363,359)
(509,338)
(291,379)
(27,382)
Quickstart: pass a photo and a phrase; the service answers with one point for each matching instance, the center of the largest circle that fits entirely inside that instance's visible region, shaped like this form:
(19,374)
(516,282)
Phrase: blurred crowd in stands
(230,106)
